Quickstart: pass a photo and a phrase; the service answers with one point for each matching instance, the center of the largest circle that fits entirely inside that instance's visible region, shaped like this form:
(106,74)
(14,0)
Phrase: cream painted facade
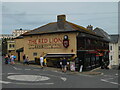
(19,43)
(10,45)
(113,55)
(37,45)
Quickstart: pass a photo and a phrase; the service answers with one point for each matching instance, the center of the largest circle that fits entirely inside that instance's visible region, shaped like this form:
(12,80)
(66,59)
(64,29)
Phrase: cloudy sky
(30,15)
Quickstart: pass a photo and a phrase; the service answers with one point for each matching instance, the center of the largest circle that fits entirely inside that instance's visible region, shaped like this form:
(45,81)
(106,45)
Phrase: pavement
(91,72)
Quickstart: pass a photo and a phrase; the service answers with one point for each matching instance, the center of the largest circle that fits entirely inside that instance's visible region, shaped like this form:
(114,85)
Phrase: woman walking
(12,59)
(45,62)
(6,59)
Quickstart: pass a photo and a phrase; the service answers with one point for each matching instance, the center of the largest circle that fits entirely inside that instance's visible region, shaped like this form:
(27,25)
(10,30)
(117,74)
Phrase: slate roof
(114,38)
(102,33)
(53,28)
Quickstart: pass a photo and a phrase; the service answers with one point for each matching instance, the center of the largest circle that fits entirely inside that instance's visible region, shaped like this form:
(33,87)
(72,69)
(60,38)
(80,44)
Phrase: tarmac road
(30,76)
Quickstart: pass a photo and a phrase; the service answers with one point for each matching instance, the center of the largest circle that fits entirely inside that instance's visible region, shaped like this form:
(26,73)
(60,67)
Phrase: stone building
(114,46)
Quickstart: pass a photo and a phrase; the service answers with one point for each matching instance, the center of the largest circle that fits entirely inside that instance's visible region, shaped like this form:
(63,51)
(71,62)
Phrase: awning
(59,55)
(92,52)
(20,50)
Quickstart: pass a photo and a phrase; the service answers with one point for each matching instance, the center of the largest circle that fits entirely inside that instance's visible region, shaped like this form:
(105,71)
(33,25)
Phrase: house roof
(102,33)
(53,28)
(114,38)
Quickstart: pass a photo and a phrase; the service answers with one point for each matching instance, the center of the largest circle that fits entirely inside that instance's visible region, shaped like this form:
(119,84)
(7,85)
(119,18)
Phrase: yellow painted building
(59,39)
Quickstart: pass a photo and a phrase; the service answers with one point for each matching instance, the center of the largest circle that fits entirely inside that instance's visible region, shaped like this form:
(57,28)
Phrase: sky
(30,15)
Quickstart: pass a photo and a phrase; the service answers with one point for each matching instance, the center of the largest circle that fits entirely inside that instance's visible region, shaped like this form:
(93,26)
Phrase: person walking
(24,57)
(27,60)
(9,60)
(6,59)
(45,62)
(41,61)
(12,59)
(64,65)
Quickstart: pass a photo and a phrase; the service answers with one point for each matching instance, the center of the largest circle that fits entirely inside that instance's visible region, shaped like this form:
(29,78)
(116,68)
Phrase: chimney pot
(61,21)
(90,27)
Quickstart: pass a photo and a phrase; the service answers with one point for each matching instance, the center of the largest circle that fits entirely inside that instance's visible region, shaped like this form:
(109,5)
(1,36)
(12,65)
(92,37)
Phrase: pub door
(18,56)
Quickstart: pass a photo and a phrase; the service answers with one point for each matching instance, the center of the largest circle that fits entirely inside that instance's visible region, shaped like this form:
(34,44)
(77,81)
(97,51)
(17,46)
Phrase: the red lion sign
(65,41)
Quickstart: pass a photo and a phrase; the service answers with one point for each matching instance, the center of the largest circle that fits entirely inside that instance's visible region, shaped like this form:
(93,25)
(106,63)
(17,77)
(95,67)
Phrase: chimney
(90,27)
(61,21)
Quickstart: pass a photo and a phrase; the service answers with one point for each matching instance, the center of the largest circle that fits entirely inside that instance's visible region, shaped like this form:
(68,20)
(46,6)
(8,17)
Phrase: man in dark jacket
(64,65)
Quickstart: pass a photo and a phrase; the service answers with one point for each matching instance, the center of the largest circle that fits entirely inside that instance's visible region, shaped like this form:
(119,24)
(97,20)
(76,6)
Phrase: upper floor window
(11,45)
(119,56)
(34,54)
(111,57)
(119,47)
(110,47)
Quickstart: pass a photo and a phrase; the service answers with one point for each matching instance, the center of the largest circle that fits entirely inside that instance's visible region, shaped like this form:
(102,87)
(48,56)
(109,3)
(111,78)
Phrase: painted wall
(114,54)
(19,43)
(47,43)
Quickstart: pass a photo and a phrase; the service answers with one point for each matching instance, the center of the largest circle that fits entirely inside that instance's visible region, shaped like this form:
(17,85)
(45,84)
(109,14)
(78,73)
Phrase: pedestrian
(45,62)
(6,59)
(24,57)
(64,65)
(12,59)
(41,61)
(26,60)
(9,60)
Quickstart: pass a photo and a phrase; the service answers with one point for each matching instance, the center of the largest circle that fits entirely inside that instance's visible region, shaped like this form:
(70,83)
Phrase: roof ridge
(78,27)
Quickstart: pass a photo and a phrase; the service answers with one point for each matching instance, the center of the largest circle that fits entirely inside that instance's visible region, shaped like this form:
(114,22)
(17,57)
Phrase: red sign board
(65,43)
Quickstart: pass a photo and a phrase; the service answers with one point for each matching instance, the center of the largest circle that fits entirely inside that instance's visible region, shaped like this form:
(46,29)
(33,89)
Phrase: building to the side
(18,32)
(63,39)
(6,36)
(8,43)
(114,46)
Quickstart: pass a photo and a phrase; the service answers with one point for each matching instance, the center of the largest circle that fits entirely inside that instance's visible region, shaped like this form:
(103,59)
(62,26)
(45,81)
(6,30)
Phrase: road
(29,76)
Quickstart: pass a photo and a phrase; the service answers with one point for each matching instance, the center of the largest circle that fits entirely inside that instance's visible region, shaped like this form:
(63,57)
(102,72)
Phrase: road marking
(27,69)
(110,78)
(13,73)
(109,81)
(28,78)
(62,78)
(4,82)
(17,68)
(35,83)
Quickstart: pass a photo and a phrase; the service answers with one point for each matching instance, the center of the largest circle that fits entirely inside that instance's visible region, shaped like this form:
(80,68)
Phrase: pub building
(63,39)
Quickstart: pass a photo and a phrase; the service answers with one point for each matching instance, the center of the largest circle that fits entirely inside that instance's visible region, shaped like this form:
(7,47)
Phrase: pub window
(119,47)
(110,47)
(13,45)
(10,45)
(119,56)
(34,54)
